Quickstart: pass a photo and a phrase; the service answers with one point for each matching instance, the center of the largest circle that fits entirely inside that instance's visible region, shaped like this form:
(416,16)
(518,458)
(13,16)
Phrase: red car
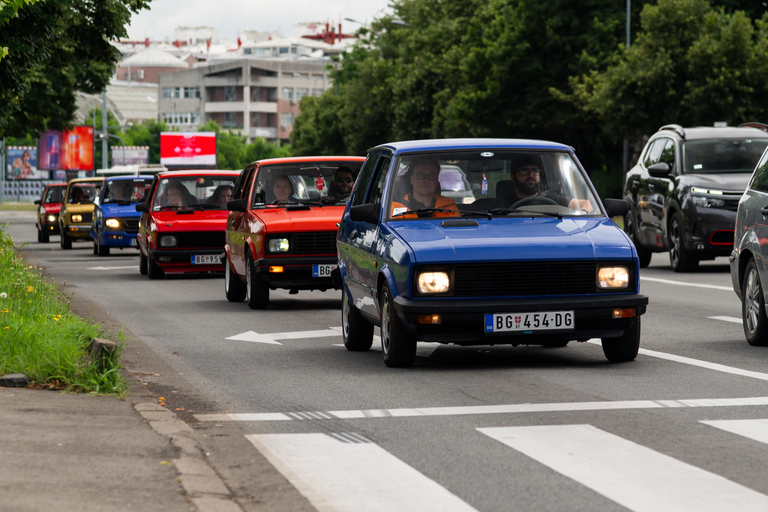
(47,222)
(182,222)
(281,231)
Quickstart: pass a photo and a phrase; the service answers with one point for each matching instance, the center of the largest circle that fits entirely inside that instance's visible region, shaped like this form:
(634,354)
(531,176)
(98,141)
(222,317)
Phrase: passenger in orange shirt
(423,174)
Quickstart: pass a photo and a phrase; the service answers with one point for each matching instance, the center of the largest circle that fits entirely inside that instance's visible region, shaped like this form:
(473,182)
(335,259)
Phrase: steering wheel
(533,200)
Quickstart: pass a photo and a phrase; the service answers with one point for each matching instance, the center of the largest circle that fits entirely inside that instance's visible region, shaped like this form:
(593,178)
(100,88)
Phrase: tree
(692,64)
(55,49)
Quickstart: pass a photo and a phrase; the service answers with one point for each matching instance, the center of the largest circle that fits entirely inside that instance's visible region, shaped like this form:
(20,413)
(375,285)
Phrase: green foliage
(692,64)
(234,152)
(41,338)
(55,49)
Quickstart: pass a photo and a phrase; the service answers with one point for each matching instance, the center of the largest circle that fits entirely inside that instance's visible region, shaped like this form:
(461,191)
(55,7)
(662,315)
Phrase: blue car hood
(515,239)
(120,210)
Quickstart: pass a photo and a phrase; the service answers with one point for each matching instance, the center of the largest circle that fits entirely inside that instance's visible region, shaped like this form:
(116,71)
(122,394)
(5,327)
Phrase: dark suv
(685,189)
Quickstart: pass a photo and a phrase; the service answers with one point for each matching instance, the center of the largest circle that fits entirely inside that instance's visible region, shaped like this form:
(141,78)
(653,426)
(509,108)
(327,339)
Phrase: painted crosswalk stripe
(488,409)
(757,430)
(347,472)
(629,474)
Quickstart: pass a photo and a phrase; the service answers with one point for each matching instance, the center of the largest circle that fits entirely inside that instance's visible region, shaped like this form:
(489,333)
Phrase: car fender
(252,249)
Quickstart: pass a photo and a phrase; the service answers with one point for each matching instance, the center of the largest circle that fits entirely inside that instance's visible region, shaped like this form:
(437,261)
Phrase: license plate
(522,322)
(322,270)
(134,242)
(206,259)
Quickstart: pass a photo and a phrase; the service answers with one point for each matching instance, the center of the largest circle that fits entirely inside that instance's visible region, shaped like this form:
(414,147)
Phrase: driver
(423,174)
(526,175)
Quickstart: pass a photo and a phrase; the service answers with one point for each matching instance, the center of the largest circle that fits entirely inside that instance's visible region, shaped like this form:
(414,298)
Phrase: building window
(181,118)
(230,119)
(301,92)
(247,51)
(141,74)
(230,93)
(317,92)
(286,120)
(286,93)
(191,92)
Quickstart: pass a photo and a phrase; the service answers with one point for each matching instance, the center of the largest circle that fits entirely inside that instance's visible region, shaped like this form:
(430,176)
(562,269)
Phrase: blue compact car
(115,219)
(514,247)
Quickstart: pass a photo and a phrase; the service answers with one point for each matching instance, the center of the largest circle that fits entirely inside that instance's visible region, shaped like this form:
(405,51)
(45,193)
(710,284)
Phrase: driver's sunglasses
(525,171)
(344,180)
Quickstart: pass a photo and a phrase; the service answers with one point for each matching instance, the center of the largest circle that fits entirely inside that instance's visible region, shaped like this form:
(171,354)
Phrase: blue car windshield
(125,190)
(495,182)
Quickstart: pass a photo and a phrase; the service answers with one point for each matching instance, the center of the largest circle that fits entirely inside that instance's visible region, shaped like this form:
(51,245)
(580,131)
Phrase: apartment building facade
(253,97)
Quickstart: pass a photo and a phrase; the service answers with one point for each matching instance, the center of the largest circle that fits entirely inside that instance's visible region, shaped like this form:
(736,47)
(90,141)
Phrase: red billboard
(70,150)
(188,149)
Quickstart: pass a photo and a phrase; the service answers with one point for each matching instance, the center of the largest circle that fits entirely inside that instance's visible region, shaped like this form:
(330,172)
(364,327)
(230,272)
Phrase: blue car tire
(397,344)
(357,332)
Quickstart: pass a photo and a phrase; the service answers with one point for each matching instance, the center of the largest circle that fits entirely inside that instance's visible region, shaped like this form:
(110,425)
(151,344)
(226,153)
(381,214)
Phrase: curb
(203,486)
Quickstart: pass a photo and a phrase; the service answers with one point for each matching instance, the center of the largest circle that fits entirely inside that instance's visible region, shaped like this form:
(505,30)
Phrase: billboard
(130,155)
(188,149)
(22,164)
(70,150)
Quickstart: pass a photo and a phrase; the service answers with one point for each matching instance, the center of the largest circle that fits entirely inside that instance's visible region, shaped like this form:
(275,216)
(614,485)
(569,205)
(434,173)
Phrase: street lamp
(104,135)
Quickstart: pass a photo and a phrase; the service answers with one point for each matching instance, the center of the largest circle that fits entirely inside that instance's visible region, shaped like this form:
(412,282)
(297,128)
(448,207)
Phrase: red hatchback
(182,222)
(47,222)
(281,232)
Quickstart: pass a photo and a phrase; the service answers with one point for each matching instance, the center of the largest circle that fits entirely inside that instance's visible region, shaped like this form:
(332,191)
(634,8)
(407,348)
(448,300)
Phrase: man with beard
(526,176)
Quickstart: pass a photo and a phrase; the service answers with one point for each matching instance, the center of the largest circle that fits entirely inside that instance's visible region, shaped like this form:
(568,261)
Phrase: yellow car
(77,210)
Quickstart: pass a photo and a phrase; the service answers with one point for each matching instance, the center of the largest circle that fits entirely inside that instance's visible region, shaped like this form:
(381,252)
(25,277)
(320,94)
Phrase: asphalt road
(684,427)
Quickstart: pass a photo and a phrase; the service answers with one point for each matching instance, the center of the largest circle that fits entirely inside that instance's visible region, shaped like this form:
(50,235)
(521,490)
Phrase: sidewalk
(73,452)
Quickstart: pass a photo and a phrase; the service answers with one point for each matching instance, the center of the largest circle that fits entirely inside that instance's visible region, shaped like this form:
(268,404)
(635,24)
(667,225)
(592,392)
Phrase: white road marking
(697,362)
(488,409)
(731,319)
(113,268)
(272,338)
(683,283)
(254,337)
(346,472)
(757,430)
(631,475)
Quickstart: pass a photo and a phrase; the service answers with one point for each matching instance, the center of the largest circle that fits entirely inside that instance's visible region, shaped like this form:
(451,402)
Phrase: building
(253,97)
(146,65)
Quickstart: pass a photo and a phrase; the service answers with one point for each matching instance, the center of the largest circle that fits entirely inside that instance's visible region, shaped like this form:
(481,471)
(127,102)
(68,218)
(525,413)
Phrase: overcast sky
(230,17)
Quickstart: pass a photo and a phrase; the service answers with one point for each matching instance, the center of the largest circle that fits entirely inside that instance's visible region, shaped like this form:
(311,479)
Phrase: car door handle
(764,210)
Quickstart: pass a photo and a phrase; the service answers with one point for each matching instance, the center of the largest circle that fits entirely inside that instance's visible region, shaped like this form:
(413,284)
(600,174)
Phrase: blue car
(115,219)
(531,258)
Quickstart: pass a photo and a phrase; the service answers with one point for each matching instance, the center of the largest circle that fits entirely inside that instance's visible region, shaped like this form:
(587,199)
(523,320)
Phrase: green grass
(17,206)
(41,338)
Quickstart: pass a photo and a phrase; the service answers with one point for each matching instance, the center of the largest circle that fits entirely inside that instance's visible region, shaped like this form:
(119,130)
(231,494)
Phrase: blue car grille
(131,225)
(525,278)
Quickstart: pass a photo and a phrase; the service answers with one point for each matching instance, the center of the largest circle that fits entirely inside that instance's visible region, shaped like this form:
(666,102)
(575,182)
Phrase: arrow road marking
(731,319)
(272,338)
(682,283)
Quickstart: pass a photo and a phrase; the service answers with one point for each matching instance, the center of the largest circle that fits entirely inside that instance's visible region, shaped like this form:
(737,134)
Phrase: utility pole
(104,164)
(626,140)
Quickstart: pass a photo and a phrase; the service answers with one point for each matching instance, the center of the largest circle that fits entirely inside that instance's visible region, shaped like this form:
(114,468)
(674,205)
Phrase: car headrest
(505,188)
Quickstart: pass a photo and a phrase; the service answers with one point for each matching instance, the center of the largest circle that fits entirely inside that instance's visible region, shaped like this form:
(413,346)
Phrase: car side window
(654,152)
(364,178)
(242,180)
(668,155)
(760,178)
(377,193)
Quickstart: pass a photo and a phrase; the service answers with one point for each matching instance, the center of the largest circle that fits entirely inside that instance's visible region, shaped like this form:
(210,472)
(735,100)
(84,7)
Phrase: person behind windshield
(222,195)
(174,194)
(526,175)
(120,191)
(423,174)
(283,190)
(342,183)
(78,195)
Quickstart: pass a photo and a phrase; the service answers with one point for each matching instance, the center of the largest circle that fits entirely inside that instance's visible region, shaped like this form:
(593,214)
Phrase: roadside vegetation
(41,338)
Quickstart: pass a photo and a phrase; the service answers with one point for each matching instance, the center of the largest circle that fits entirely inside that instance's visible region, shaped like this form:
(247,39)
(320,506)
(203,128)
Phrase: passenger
(526,175)
(222,195)
(423,173)
(342,183)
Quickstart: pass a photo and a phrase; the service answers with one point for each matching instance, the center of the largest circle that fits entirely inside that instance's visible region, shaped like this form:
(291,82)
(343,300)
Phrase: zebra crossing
(346,471)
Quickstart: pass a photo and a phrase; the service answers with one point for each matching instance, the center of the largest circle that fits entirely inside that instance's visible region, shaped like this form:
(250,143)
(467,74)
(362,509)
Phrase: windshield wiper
(424,212)
(505,211)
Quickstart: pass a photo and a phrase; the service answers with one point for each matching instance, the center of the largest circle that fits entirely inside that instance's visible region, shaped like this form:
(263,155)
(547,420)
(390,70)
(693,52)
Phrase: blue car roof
(122,178)
(459,144)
